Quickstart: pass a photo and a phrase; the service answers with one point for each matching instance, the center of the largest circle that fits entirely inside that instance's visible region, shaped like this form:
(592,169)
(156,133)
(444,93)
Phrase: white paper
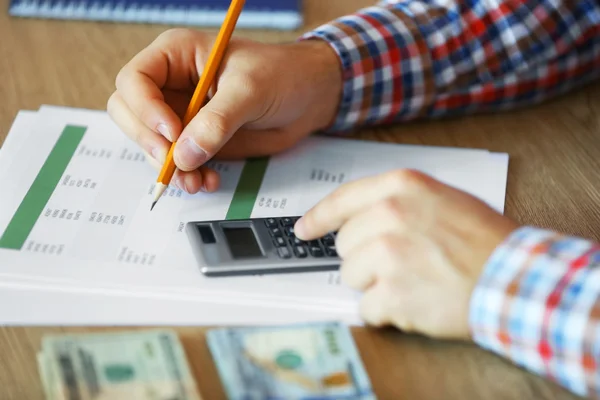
(130,251)
(23,303)
(114,192)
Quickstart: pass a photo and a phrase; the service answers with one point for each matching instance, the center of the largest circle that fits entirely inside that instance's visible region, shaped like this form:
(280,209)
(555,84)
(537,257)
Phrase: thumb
(213,126)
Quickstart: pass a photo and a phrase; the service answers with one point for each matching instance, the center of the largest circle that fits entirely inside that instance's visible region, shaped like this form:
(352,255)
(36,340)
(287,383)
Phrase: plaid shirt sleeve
(409,59)
(537,302)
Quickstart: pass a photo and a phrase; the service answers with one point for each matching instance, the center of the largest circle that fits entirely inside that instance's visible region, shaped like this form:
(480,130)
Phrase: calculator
(258,246)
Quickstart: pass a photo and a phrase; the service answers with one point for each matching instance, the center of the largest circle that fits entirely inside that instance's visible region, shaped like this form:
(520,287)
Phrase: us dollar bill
(289,362)
(145,365)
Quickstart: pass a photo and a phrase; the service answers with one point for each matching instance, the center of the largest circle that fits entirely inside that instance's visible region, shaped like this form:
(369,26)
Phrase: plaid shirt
(537,302)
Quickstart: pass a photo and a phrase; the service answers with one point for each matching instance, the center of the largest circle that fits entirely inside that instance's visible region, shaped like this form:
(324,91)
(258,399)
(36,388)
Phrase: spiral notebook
(268,14)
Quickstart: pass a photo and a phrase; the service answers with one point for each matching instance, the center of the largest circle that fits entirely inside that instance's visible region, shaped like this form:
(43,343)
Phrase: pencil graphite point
(159,189)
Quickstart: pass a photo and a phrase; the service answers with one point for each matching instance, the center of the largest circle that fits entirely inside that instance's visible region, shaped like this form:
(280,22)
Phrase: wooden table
(554,182)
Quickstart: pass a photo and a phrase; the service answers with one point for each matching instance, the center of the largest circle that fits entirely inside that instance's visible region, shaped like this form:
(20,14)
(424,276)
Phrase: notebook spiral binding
(269,14)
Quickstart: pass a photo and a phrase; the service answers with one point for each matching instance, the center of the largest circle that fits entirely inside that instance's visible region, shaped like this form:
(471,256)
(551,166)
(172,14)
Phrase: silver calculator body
(258,246)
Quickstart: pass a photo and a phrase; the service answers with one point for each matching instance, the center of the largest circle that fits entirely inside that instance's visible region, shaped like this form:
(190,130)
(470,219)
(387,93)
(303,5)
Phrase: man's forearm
(415,59)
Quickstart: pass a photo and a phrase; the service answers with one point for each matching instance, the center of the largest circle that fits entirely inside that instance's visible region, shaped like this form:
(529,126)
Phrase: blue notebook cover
(269,14)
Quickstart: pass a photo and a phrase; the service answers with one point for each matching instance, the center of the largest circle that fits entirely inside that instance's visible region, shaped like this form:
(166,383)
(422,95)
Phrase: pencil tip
(152,206)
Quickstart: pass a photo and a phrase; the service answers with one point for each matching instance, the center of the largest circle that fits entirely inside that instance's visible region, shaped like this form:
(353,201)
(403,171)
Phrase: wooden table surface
(554,182)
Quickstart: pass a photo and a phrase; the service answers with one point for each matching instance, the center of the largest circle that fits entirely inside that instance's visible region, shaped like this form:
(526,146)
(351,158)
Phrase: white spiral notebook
(267,14)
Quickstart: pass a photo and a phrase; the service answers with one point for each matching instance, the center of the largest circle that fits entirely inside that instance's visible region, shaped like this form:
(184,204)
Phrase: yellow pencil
(205,82)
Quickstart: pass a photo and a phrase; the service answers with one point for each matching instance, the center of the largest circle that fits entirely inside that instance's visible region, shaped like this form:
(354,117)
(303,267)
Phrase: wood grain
(554,181)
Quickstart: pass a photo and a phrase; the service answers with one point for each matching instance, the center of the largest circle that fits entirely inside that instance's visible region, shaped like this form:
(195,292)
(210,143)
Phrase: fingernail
(190,154)
(164,130)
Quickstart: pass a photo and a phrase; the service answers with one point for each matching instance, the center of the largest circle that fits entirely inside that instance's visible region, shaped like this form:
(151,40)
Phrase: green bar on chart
(247,189)
(43,186)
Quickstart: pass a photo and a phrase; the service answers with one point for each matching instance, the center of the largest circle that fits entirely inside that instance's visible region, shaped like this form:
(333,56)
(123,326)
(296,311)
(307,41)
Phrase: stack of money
(313,361)
(118,365)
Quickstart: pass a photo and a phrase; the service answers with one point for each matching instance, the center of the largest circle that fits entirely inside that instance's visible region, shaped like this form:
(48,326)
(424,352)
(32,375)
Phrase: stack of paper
(79,245)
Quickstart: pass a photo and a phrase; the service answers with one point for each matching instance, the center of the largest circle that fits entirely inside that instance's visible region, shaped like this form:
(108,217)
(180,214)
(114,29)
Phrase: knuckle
(390,209)
(341,243)
(407,180)
(174,34)
(248,84)
(385,245)
(215,122)
(148,118)
(386,249)
(122,76)
(210,129)
(337,198)
(404,323)
(397,300)
(110,104)
(138,137)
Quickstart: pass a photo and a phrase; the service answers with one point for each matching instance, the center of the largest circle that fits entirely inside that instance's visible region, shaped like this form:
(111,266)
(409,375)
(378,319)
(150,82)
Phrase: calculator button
(289,231)
(286,221)
(280,242)
(331,251)
(296,242)
(328,240)
(316,251)
(314,243)
(284,252)
(271,222)
(300,251)
(275,232)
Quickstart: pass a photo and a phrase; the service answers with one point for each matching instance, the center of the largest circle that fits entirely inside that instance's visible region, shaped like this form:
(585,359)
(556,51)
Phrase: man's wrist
(325,80)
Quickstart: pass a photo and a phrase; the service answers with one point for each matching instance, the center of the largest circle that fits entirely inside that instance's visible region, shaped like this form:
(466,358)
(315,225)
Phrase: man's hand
(414,245)
(265,99)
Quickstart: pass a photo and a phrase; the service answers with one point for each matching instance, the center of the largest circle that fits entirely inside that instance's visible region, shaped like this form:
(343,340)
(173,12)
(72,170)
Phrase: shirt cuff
(384,63)
(534,303)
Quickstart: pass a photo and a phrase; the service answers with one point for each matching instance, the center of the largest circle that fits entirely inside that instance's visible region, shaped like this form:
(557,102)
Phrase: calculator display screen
(242,242)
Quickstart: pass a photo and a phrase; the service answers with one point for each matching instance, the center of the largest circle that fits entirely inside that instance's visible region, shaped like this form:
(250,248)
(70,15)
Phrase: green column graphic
(42,188)
(247,189)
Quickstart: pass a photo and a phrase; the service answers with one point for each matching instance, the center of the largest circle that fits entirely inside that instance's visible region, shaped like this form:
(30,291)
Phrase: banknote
(316,361)
(145,365)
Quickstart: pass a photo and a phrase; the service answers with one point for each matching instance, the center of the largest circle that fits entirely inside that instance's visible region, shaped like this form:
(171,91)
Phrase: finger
(231,107)
(353,197)
(211,180)
(258,143)
(383,218)
(155,146)
(358,271)
(202,179)
(140,82)
(379,259)
(153,161)
(374,307)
